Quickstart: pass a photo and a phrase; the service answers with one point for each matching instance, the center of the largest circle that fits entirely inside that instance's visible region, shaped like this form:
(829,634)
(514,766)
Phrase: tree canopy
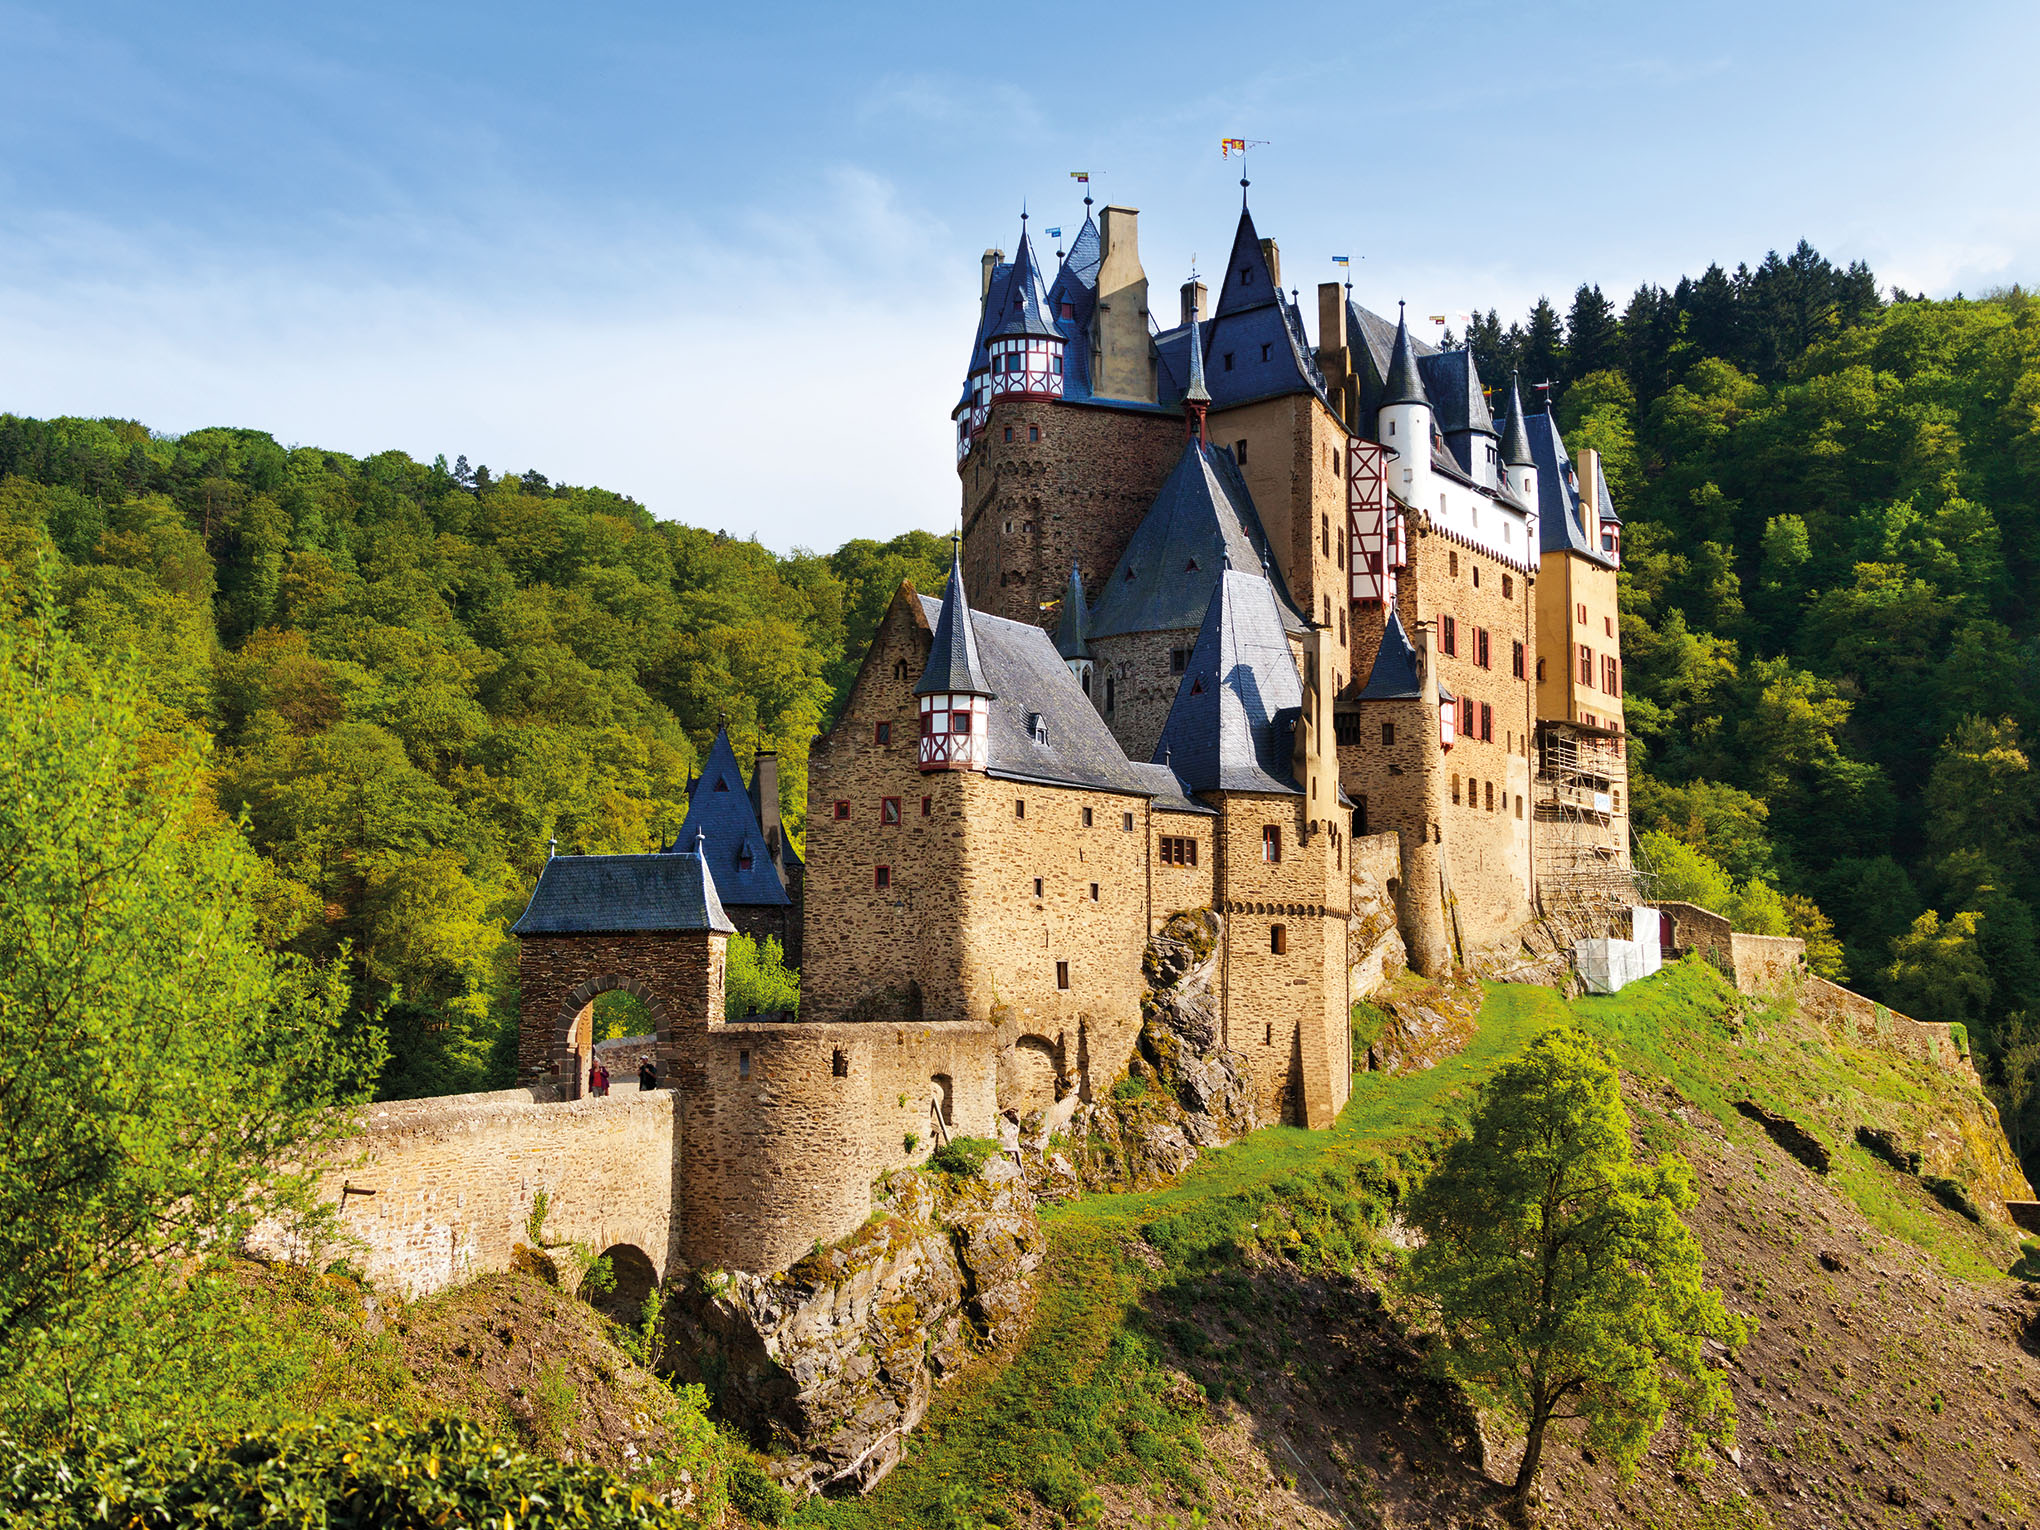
(1565,1281)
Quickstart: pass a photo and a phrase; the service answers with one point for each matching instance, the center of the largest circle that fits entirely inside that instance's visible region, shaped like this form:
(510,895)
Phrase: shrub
(1129,1089)
(351,1474)
(1951,1194)
(754,1494)
(964,1156)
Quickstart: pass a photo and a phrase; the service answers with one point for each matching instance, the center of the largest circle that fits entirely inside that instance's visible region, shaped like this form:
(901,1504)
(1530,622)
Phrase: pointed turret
(955,696)
(1072,640)
(1519,463)
(1257,345)
(1232,724)
(1403,385)
(1196,397)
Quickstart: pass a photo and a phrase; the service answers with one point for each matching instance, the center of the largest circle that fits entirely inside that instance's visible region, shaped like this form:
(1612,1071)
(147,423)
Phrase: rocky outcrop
(1423,1023)
(1184,1090)
(1789,1135)
(1374,945)
(829,1364)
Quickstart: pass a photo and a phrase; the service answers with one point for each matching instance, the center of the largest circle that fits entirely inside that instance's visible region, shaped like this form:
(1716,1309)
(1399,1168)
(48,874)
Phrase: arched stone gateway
(573,1028)
(1031,1071)
(632,1279)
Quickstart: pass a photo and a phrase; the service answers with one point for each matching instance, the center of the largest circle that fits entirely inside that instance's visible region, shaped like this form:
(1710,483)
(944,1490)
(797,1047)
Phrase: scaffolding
(1587,875)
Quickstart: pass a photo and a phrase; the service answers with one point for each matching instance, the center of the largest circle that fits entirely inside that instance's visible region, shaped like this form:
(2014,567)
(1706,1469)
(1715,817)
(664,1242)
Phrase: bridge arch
(633,1276)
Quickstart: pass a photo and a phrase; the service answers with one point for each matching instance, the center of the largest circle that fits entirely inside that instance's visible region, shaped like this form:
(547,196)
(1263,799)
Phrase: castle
(1228,611)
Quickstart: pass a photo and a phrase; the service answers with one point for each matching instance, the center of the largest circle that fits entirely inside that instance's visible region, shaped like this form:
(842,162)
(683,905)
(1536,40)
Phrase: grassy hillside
(1230,1351)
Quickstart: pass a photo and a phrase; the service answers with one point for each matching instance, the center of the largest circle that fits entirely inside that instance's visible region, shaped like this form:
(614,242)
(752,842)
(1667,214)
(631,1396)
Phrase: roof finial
(552,847)
(1243,193)
(700,842)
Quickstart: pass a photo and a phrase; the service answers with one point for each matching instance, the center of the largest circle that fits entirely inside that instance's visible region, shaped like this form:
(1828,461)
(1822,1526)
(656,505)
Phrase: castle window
(1179,850)
(1271,843)
(1278,939)
(927,806)
(1126,822)
(745,860)
(1034,432)
(1388,735)
(1019,807)
(1487,723)
(1264,352)
(1268,1036)
(1611,674)
(1608,622)
(1179,660)
(1037,887)
(899,669)
(1087,818)
(1062,974)
(1516,659)
(1455,788)
(881,877)
(1039,729)
(1239,447)
(881,733)
(1342,547)
(839,1065)
(1069,311)
(743,1065)
(1094,892)
(1228,361)
(1335,462)
(1342,626)
(1345,727)
(1476,576)
(1580,612)
(1451,559)
(1466,717)
(1360,815)
(842,809)
(1489,793)
(1391,427)
(1111,692)
(1586,665)
(1009,528)
(1480,647)
(889,810)
(1540,671)
(1448,632)
(1508,587)
(1009,432)
(1519,805)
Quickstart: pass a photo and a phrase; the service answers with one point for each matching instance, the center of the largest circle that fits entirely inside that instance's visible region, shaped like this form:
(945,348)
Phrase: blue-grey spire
(1196,393)
(1403,385)
(1072,634)
(953,664)
(1026,310)
(1515,439)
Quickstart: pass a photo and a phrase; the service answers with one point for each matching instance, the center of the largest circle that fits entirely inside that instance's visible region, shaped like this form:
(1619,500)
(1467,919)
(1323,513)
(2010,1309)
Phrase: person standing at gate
(647,1075)
(598,1080)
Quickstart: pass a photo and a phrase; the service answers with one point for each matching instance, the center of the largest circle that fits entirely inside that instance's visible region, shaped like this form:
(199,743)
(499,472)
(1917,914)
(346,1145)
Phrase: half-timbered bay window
(1026,365)
(953,732)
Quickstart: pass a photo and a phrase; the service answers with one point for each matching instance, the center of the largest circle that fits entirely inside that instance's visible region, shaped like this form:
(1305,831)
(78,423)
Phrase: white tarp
(1606,966)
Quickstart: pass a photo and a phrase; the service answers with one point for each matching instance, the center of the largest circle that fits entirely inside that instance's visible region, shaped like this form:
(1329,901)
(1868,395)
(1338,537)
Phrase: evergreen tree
(1591,335)
(1542,348)
(1494,352)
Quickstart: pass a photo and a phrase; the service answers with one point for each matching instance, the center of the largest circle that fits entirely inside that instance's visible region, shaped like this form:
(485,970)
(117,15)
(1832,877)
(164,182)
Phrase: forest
(406,680)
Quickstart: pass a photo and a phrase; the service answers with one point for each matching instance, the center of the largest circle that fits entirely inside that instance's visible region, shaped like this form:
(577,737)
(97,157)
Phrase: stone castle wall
(1177,888)
(1144,683)
(1076,494)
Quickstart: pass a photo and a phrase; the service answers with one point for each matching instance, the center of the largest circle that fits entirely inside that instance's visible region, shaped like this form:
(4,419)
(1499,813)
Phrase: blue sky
(725,259)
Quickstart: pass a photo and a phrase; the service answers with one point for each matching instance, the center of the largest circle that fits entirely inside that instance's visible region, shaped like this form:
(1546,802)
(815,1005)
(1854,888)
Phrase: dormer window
(1069,311)
(1190,567)
(1228,361)
(1264,352)
(1037,728)
(1246,276)
(744,861)
(722,786)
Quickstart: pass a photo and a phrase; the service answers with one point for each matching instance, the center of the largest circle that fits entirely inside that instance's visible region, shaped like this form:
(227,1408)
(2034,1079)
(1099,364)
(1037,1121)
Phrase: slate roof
(1515,439)
(1025,309)
(953,663)
(1252,316)
(624,895)
(1202,517)
(1558,499)
(1397,674)
(723,820)
(1077,285)
(1072,627)
(1170,797)
(1029,679)
(1234,719)
(1454,385)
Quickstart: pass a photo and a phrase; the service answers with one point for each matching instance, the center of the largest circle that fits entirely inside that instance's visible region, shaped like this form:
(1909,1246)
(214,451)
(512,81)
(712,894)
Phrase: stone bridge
(434,1192)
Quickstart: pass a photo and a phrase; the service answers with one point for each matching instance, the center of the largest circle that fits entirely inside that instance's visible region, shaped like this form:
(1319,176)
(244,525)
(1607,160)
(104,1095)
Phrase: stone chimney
(1273,255)
(1590,480)
(1194,293)
(990,259)
(1123,359)
(765,801)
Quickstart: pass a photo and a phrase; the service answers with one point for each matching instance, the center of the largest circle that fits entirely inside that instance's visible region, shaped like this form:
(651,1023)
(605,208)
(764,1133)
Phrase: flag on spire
(1227,147)
(1081,176)
(1342,260)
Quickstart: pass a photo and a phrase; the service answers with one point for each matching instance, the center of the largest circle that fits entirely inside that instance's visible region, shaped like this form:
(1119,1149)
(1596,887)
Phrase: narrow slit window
(1278,939)
(1062,974)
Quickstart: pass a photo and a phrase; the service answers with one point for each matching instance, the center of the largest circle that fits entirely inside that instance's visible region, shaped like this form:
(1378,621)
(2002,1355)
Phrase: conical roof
(1235,712)
(1515,439)
(1026,303)
(1079,273)
(1071,627)
(1403,385)
(1196,393)
(953,663)
(1397,674)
